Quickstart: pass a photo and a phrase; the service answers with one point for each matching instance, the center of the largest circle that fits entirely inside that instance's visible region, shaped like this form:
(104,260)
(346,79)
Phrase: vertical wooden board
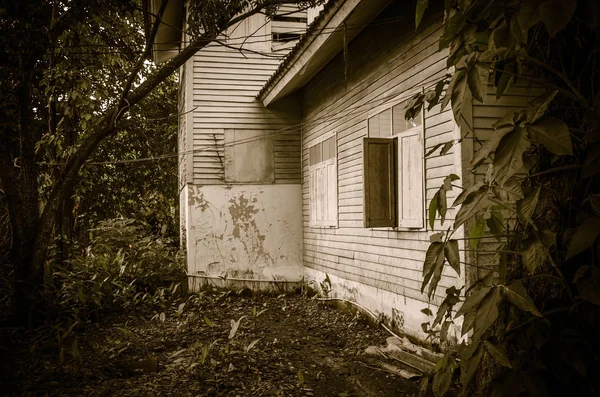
(411,178)
(332,196)
(379,185)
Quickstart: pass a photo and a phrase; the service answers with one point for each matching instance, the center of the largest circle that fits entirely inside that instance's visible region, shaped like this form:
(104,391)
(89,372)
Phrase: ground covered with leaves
(216,344)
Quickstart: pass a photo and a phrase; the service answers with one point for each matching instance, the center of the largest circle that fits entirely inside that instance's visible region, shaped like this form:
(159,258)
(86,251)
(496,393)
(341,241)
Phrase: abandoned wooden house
(305,169)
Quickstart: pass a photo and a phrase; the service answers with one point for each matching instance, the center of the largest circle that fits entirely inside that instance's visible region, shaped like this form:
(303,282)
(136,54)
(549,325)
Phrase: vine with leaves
(529,320)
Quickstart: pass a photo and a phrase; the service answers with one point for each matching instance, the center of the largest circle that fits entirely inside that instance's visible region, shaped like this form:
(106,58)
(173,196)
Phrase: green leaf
(452,255)
(487,312)
(502,266)
(511,191)
(477,79)
(553,134)
(477,231)
(526,206)
(437,276)
(421,7)
(444,330)
(442,204)
(496,223)
(518,296)
(434,258)
(456,93)
(584,237)
(509,155)
(447,185)
(589,287)
(497,355)
(443,309)
(490,145)
(452,25)
(473,301)
(442,381)
(503,81)
(556,14)
(534,253)
(433,209)
(462,196)
(468,322)
(208,322)
(436,237)
(537,107)
(594,200)
(529,14)
(475,202)
(468,367)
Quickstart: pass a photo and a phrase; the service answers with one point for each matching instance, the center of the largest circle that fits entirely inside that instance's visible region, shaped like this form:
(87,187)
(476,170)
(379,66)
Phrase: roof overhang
(169,35)
(324,39)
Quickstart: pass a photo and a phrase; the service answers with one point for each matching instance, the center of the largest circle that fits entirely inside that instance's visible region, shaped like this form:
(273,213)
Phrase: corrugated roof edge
(315,28)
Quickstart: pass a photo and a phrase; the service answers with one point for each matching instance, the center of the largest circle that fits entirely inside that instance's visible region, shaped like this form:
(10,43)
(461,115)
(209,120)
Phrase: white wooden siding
(384,62)
(225,84)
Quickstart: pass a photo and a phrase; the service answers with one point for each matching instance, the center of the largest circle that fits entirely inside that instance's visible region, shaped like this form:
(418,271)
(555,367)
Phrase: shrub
(124,267)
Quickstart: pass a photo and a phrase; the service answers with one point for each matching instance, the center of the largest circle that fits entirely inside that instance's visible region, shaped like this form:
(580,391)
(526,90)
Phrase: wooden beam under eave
(168,38)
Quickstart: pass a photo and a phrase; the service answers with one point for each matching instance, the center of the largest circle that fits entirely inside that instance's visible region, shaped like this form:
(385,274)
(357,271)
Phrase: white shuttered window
(323,184)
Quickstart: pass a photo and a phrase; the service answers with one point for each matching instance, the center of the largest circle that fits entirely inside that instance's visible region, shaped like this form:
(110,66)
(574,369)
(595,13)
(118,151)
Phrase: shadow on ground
(283,346)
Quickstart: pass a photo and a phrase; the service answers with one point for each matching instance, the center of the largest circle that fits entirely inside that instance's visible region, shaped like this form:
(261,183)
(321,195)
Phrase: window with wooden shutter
(323,184)
(394,175)
(379,182)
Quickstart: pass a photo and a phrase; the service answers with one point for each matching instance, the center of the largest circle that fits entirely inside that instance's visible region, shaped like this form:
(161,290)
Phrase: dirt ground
(284,346)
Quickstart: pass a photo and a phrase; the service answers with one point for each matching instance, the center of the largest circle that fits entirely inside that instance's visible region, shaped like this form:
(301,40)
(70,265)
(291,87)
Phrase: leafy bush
(124,267)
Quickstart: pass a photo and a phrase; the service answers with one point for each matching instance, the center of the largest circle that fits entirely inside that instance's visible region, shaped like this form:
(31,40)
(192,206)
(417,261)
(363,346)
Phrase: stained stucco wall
(245,231)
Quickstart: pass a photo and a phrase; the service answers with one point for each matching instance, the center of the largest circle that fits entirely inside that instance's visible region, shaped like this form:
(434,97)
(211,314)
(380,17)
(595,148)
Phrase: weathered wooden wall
(225,84)
(387,60)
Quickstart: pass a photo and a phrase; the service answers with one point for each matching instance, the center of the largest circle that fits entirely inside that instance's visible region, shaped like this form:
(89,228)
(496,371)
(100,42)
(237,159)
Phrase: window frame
(332,223)
(420,129)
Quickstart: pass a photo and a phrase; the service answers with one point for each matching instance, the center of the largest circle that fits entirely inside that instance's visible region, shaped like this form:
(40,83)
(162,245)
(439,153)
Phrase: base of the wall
(398,311)
(199,283)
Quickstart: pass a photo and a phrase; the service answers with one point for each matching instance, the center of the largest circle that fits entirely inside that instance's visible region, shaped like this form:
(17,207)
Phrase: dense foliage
(75,74)
(532,315)
(124,266)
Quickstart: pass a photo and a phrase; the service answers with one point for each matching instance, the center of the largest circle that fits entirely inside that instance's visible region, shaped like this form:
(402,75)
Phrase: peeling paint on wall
(244,231)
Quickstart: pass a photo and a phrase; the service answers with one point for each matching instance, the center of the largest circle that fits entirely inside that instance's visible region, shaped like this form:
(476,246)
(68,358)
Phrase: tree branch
(147,51)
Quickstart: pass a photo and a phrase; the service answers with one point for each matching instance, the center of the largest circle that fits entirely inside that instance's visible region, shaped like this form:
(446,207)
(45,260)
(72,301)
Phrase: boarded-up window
(394,170)
(248,156)
(323,194)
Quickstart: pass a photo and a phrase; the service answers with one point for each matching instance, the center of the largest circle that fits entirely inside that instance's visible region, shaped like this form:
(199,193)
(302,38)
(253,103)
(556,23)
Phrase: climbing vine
(528,320)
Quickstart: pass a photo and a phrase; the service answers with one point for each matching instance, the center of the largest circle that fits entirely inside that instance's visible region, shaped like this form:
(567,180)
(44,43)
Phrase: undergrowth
(124,269)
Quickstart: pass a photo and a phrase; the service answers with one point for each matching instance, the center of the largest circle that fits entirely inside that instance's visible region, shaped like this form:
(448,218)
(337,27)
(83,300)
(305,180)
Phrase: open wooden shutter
(411,198)
(379,182)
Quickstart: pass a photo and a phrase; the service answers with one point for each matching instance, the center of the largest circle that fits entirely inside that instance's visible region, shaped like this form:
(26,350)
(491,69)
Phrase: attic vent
(286,37)
(287,18)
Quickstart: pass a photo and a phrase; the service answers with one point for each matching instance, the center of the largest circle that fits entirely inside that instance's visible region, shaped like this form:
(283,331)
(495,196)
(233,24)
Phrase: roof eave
(324,40)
